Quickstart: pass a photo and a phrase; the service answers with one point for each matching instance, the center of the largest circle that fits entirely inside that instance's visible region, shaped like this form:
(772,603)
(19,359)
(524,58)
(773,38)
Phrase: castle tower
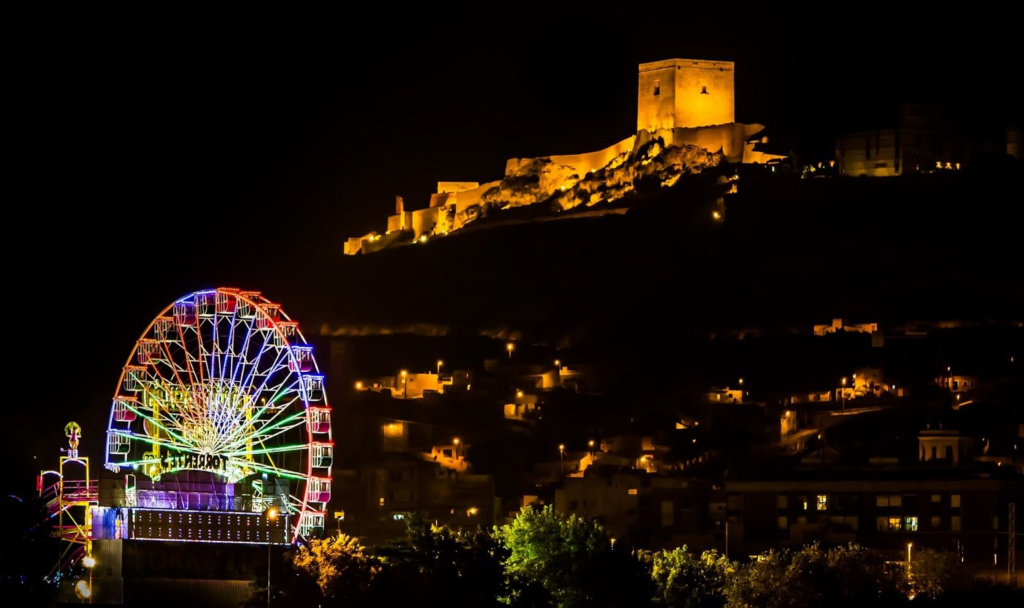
(683,93)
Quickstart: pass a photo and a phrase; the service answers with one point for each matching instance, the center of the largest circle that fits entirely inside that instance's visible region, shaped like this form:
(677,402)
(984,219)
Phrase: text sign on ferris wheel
(223,382)
(195,462)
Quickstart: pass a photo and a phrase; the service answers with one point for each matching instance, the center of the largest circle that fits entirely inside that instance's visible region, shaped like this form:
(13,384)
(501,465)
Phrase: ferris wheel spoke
(263,451)
(266,432)
(244,431)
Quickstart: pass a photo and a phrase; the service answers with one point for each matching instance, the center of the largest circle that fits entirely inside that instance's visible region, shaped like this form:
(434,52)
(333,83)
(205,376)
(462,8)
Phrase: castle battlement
(685,93)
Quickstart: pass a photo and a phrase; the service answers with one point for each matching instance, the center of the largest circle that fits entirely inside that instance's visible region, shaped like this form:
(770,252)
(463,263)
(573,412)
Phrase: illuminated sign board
(232,527)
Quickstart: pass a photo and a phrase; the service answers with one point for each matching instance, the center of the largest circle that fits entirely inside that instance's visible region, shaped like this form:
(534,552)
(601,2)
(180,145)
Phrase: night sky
(153,155)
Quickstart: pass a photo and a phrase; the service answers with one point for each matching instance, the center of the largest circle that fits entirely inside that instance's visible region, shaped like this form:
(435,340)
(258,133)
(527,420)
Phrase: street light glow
(88,561)
(272,513)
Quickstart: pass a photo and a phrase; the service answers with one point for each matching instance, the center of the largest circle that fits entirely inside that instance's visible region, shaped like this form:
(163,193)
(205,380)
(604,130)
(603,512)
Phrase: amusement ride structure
(219,432)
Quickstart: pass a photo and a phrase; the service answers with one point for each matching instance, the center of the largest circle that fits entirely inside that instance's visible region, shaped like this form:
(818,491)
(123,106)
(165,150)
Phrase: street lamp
(439,364)
(89,562)
(405,385)
(456,443)
(558,363)
(741,381)
(561,456)
(519,394)
(510,347)
(844,393)
(359,385)
(271,514)
(909,547)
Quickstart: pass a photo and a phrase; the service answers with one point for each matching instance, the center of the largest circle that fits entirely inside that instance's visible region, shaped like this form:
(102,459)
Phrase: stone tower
(684,93)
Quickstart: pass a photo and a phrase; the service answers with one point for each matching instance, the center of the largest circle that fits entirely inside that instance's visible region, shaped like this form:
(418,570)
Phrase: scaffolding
(70,501)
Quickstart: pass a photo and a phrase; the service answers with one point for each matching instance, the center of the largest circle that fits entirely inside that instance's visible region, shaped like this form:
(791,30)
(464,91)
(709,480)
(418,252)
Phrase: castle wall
(581,164)
(685,93)
(656,94)
(446,187)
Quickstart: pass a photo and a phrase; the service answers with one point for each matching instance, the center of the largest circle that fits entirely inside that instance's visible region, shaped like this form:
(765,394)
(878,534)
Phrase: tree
(573,560)
(439,565)
(933,573)
(684,580)
(339,565)
(845,576)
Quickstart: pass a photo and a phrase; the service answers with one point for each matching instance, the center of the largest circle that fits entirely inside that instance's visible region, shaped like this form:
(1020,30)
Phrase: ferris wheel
(224,383)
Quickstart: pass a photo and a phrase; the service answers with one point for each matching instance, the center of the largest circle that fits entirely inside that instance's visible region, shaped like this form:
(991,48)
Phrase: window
(888,500)
(801,520)
(803,503)
(782,501)
(910,524)
(704,90)
(936,522)
(398,516)
(954,523)
(893,524)
(657,88)
(822,502)
(954,501)
(936,497)
(401,496)
(783,522)
(631,491)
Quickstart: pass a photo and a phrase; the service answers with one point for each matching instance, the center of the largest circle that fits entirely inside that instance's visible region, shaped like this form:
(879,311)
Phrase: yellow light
(88,561)
(510,347)
(519,394)
(456,441)
(558,362)
(473,511)
(741,381)
(83,590)
(404,373)
(590,443)
(359,386)
(561,447)
(423,239)
(716,215)
(440,363)
(844,381)
(272,513)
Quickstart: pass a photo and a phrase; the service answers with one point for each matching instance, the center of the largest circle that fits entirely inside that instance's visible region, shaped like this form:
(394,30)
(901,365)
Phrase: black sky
(155,154)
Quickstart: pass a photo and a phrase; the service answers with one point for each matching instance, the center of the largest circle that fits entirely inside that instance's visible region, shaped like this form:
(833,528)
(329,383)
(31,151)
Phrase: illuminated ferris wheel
(222,383)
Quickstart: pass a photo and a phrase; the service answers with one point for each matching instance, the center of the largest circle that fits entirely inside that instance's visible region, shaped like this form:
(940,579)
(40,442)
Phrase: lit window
(631,491)
(704,90)
(881,500)
(398,516)
(954,523)
(381,502)
(894,524)
(783,522)
(954,501)
(911,524)
(936,521)
(936,497)
(803,502)
(895,500)
(822,502)
(657,88)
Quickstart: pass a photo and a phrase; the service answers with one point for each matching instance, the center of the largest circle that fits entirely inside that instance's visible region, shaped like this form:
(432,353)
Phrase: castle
(685,122)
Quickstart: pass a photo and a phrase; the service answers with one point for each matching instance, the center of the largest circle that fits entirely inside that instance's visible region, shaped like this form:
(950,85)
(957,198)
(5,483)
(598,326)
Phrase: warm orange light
(510,347)
(404,373)
(472,511)
(456,441)
(519,394)
(716,215)
(561,447)
(844,381)
(590,443)
(359,385)
(272,513)
(558,362)
(741,381)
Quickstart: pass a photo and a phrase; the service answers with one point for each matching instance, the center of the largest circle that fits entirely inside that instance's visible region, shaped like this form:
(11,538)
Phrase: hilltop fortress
(685,123)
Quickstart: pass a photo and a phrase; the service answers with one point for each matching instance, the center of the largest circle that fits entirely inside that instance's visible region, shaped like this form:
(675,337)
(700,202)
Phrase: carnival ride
(221,407)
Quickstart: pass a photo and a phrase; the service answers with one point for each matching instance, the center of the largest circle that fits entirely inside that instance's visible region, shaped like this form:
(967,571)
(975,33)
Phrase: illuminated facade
(685,124)
(685,93)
